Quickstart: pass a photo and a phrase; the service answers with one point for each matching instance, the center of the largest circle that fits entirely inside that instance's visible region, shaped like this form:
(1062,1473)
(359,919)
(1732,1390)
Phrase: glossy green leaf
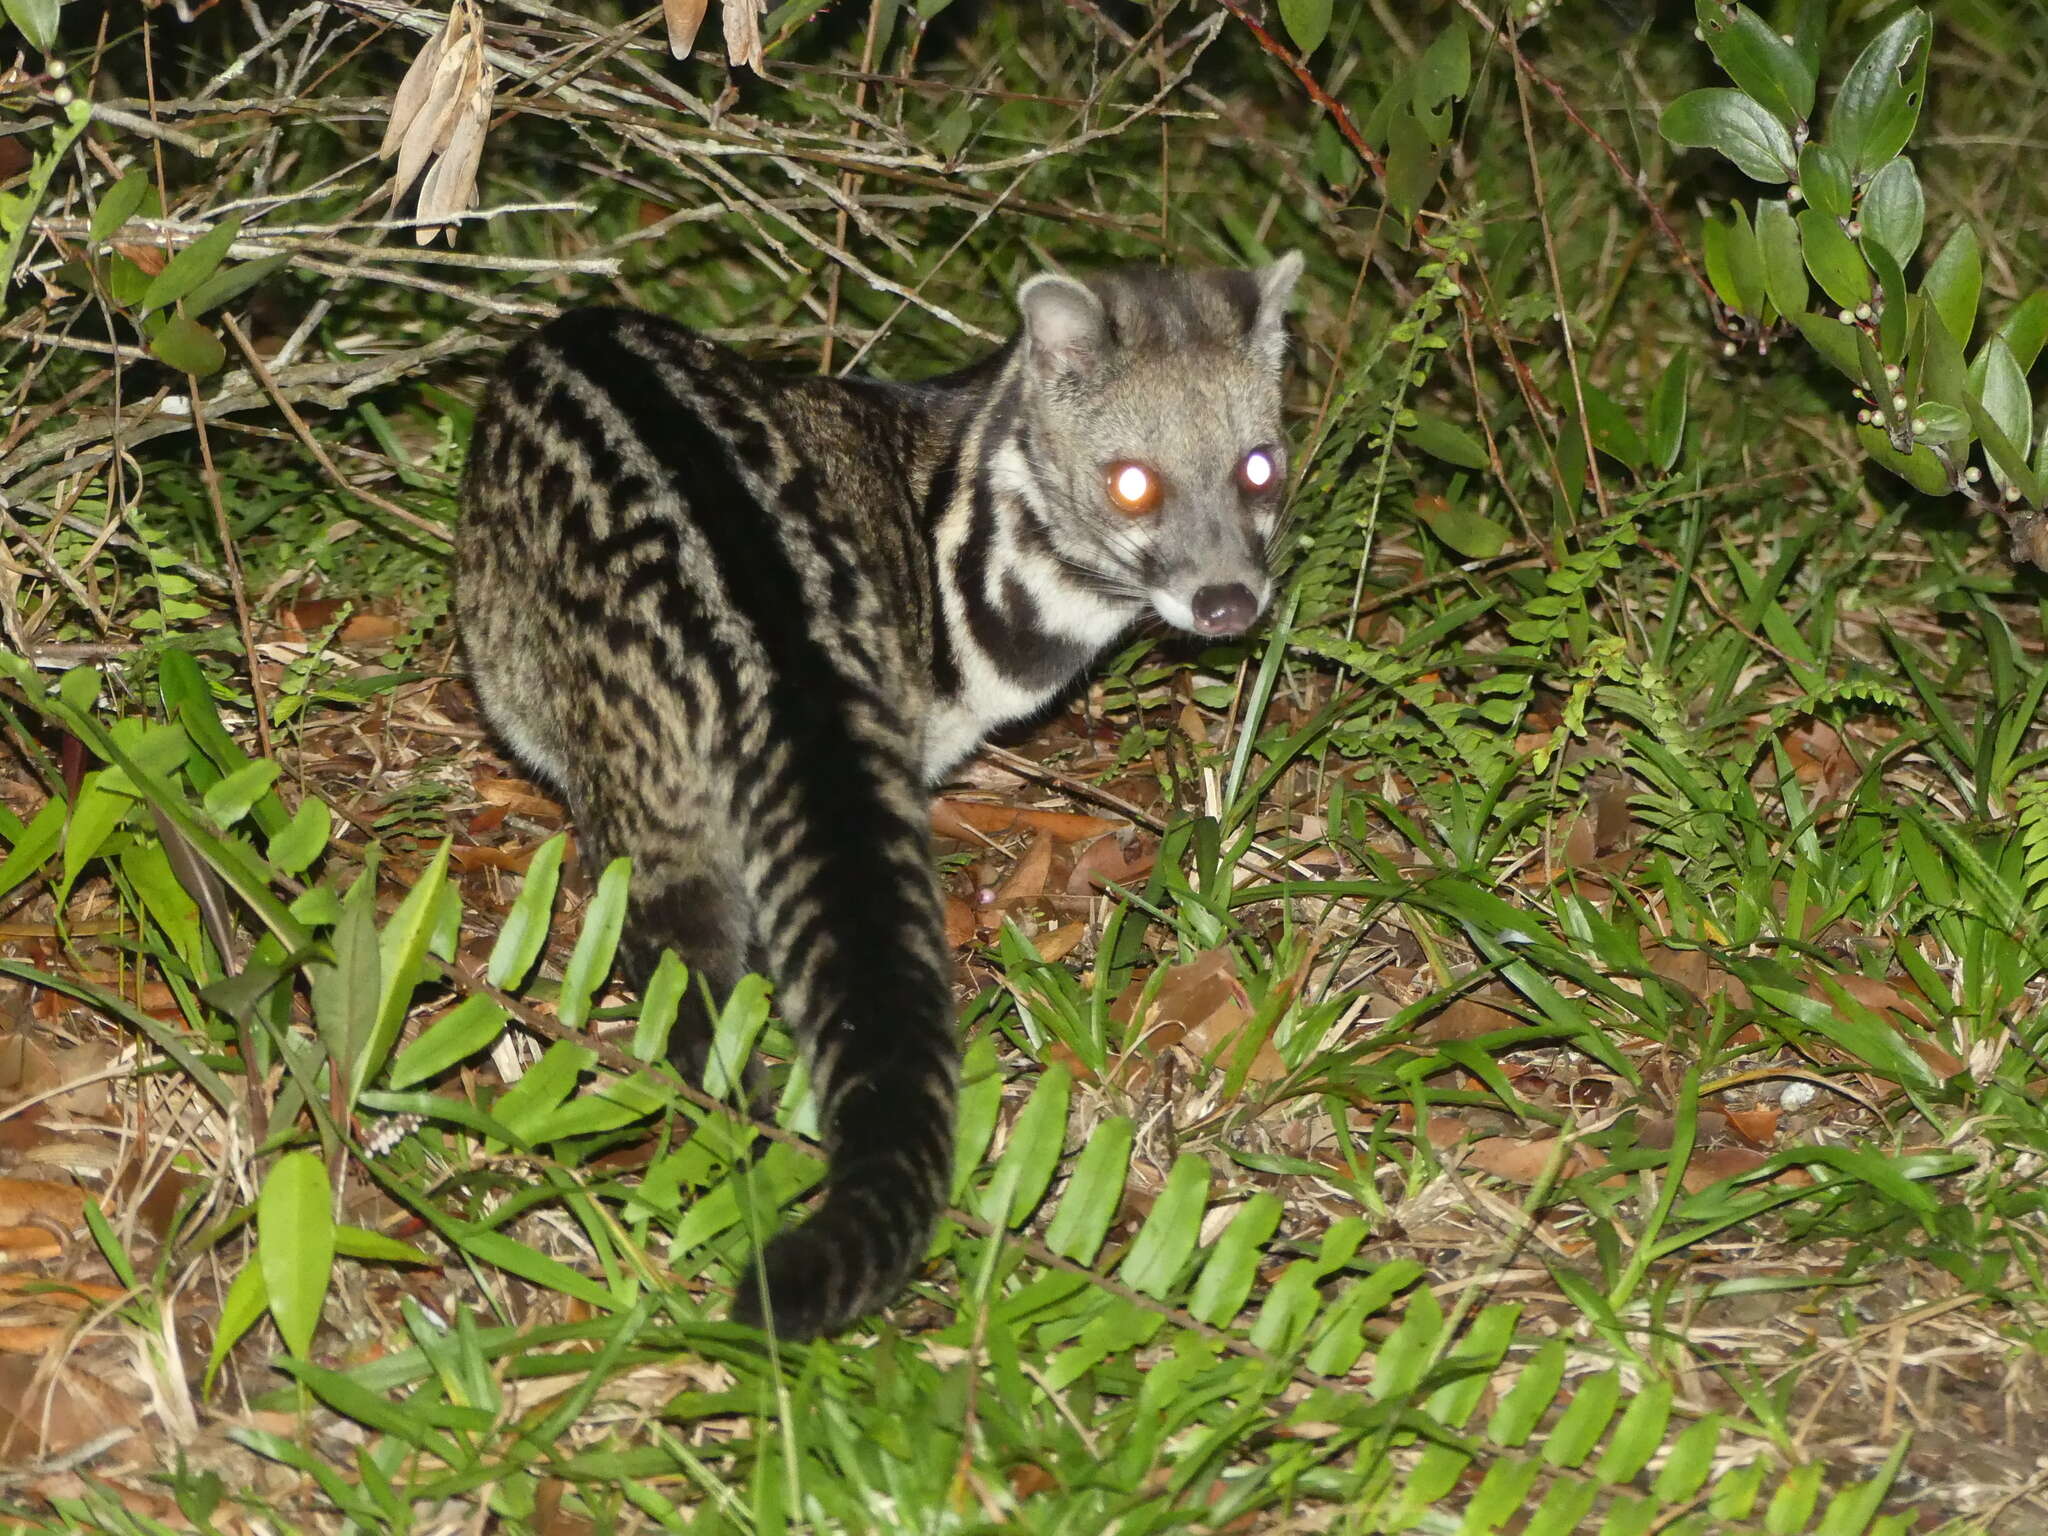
(1413,160)
(1784,269)
(230,799)
(741,1018)
(1832,258)
(515,1258)
(1943,374)
(458,1034)
(1759,61)
(1824,181)
(189,347)
(1468,533)
(1032,1154)
(1894,209)
(1232,1268)
(304,838)
(1173,1227)
(231,283)
(1445,70)
(2025,329)
(375,1247)
(1952,282)
(1444,439)
(345,991)
(1613,433)
(591,961)
(660,1001)
(1524,1403)
(33,847)
(1735,125)
(1936,423)
(246,1301)
(402,950)
(524,1108)
(1734,264)
(1834,341)
(1893,302)
(1920,468)
(1584,1420)
(295,1245)
(1668,410)
(1878,102)
(192,266)
(118,205)
(1307,22)
(37,20)
(1690,1462)
(525,931)
(353,1400)
(95,814)
(2003,389)
(1638,1436)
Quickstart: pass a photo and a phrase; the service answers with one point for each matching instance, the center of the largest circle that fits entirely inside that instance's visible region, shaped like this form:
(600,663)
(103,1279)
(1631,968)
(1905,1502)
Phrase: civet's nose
(1224,610)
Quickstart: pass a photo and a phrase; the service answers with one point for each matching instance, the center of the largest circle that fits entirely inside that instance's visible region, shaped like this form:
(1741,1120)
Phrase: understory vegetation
(1546,1035)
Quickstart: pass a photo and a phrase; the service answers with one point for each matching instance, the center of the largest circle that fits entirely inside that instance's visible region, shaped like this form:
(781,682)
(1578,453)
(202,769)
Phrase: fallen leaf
(517,796)
(27,1200)
(1025,882)
(961,922)
(1103,864)
(1060,943)
(683,18)
(370,629)
(962,820)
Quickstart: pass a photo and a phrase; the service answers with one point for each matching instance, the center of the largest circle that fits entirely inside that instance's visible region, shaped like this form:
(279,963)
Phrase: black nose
(1224,610)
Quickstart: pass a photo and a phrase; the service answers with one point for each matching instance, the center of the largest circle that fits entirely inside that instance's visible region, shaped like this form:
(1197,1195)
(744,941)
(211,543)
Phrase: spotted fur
(744,619)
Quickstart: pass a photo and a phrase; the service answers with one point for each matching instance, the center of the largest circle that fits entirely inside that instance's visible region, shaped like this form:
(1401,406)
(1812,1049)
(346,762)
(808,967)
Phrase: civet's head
(1151,417)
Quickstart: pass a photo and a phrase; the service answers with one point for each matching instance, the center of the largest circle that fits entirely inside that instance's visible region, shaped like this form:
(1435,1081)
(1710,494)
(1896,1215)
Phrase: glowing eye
(1258,470)
(1133,488)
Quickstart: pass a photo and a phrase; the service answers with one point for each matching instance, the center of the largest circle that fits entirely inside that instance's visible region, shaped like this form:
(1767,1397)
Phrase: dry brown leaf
(152,259)
(413,91)
(18,1245)
(1525,1161)
(370,629)
(1758,1127)
(962,820)
(683,17)
(1104,864)
(27,1200)
(742,19)
(1025,882)
(450,187)
(1060,943)
(467,857)
(32,1338)
(45,1413)
(961,922)
(517,796)
(1465,1018)
(68,1295)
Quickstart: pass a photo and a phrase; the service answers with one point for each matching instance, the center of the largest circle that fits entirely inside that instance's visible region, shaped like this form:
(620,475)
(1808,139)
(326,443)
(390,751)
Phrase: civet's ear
(1268,332)
(1064,325)
(1276,286)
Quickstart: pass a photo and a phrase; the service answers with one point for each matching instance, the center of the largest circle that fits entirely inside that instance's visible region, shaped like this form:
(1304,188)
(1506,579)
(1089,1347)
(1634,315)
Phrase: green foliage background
(1584,521)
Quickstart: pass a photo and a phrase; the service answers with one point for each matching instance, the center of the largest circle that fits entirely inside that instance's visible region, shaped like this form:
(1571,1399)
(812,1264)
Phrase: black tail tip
(826,1275)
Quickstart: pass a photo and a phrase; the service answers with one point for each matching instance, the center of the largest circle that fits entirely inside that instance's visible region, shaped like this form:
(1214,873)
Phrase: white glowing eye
(1258,470)
(1133,487)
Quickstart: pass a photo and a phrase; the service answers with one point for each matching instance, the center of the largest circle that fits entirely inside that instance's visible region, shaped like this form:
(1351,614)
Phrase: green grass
(1565,1047)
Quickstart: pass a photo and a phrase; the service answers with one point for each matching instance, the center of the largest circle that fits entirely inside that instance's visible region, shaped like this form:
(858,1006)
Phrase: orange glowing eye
(1259,470)
(1133,489)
